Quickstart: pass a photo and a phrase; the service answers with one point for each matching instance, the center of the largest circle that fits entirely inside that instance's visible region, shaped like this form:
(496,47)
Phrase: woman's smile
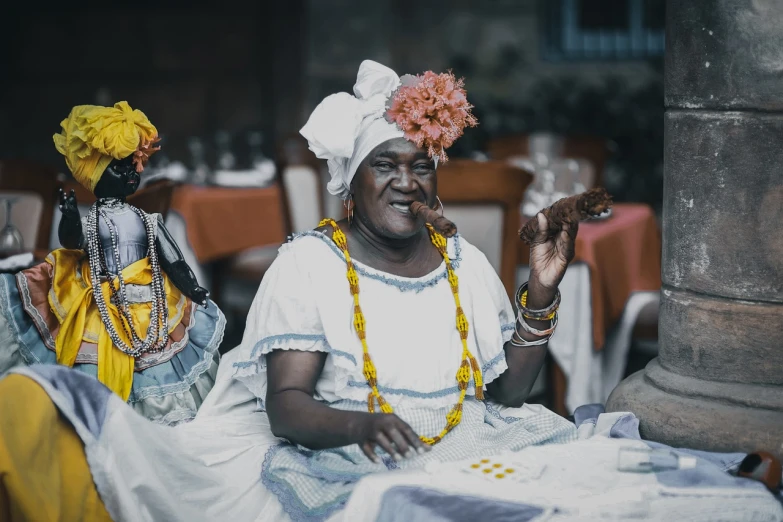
(403,208)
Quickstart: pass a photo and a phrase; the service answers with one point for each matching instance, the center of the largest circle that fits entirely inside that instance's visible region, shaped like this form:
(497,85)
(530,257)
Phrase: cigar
(568,210)
(441,225)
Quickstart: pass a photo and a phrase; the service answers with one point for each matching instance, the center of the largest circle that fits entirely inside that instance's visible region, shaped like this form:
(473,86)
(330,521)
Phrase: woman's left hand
(549,258)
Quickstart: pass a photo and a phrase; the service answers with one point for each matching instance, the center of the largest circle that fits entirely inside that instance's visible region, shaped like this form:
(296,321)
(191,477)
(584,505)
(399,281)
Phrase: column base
(691,413)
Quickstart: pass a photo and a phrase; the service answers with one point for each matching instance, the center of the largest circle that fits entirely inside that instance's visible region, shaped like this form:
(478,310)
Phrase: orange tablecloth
(221,222)
(623,254)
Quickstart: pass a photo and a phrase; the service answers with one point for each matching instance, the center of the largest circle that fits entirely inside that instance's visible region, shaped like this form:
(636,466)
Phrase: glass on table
(545,144)
(11,241)
(200,171)
(226,159)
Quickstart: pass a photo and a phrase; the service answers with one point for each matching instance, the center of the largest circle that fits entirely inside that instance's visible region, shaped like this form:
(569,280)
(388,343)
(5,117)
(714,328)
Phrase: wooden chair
(483,198)
(300,188)
(303,205)
(592,148)
(482,185)
(300,180)
(23,176)
(644,336)
(646,327)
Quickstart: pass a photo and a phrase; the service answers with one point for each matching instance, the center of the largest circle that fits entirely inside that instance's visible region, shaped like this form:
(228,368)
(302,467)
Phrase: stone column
(717,383)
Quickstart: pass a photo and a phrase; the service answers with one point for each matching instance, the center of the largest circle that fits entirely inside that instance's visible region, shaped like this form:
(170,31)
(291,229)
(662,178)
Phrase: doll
(151,333)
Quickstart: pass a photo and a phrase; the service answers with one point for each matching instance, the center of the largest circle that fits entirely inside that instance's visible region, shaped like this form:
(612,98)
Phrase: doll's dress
(55,299)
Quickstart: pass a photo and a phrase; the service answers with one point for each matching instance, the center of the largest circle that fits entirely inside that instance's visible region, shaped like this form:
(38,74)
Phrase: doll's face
(119,180)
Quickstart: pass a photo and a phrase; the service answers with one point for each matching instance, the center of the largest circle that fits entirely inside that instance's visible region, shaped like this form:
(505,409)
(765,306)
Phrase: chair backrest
(36,186)
(302,186)
(334,207)
(301,180)
(592,148)
(483,199)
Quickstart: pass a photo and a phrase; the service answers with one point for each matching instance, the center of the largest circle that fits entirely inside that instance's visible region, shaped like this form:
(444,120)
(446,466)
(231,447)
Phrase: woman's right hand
(392,434)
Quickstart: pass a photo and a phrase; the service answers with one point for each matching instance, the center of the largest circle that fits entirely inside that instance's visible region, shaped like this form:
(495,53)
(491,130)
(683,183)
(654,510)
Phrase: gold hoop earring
(441,205)
(349,207)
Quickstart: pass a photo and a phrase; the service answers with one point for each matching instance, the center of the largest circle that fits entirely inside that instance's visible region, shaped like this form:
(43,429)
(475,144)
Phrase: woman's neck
(407,257)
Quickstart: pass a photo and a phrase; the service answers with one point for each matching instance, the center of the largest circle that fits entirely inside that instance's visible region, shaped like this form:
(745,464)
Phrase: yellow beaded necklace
(454,416)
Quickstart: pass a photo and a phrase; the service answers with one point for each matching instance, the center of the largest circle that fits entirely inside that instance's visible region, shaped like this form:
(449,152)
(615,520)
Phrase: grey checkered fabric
(314,484)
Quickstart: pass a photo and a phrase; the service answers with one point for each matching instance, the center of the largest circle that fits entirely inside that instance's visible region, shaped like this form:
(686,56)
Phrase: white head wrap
(344,129)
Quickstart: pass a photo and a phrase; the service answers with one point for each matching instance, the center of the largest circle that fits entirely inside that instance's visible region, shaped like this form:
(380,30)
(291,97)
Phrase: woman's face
(395,174)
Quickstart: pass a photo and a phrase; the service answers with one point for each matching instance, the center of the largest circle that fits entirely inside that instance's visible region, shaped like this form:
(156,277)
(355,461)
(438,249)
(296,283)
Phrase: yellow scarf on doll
(92,136)
(71,299)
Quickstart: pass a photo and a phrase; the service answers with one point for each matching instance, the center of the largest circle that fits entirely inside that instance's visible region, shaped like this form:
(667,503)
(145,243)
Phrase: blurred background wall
(193,67)
(566,66)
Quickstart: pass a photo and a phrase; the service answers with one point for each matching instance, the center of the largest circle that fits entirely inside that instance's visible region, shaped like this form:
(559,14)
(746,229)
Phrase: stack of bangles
(523,312)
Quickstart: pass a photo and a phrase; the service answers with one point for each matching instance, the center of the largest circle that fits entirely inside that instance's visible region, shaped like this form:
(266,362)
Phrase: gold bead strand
(468,363)
(359,323)
(462,322)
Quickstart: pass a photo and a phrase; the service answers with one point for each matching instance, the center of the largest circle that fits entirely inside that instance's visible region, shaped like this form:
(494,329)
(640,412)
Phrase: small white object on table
(16,262)
(262,175)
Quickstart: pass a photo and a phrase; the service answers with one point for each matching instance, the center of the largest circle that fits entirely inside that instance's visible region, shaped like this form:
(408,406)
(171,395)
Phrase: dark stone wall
(725,54)
(720,339)
(723,198)
(718,381)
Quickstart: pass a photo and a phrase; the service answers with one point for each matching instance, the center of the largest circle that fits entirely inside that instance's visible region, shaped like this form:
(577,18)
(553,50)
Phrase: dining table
(616,271)
(221,222)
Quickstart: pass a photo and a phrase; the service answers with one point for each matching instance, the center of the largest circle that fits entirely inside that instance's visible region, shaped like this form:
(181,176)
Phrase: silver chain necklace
(157,330)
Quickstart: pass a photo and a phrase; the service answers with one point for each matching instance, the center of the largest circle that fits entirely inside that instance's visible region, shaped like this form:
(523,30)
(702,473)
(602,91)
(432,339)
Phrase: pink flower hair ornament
(432,110)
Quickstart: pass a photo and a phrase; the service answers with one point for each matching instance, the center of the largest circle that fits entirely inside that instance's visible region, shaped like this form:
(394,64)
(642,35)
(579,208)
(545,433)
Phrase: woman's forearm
(513,387)
(298,417)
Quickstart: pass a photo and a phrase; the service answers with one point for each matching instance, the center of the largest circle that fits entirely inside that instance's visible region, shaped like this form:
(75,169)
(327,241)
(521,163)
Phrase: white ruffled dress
(227,465)
(304,303)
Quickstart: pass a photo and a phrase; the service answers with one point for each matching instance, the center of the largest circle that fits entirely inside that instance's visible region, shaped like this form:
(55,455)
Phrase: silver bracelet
(525,343)
(540,333)
(542,314)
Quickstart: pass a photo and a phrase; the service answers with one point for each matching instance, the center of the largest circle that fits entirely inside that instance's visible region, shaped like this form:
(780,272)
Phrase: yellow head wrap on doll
(93,136)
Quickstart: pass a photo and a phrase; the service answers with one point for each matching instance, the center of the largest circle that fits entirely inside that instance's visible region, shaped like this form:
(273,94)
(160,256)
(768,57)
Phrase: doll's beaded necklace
(454,416)
(157,329)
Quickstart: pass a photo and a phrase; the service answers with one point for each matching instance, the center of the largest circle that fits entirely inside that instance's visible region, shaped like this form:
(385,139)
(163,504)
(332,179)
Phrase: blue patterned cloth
(169,392)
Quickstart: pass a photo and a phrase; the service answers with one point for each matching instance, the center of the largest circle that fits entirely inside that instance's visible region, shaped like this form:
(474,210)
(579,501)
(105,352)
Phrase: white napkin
(260,176)
(16,262)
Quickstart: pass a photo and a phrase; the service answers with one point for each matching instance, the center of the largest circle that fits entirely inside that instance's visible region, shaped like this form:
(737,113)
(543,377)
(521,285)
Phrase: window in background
(601,29)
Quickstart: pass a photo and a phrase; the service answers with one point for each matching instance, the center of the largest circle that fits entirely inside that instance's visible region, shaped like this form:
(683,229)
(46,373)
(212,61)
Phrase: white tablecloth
(591,375)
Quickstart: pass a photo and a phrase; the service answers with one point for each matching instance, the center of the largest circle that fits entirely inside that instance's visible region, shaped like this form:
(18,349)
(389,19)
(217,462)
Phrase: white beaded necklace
(157,330)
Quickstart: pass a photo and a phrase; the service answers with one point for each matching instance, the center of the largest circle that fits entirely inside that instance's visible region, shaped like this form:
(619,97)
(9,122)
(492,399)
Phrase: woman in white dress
(377,313)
